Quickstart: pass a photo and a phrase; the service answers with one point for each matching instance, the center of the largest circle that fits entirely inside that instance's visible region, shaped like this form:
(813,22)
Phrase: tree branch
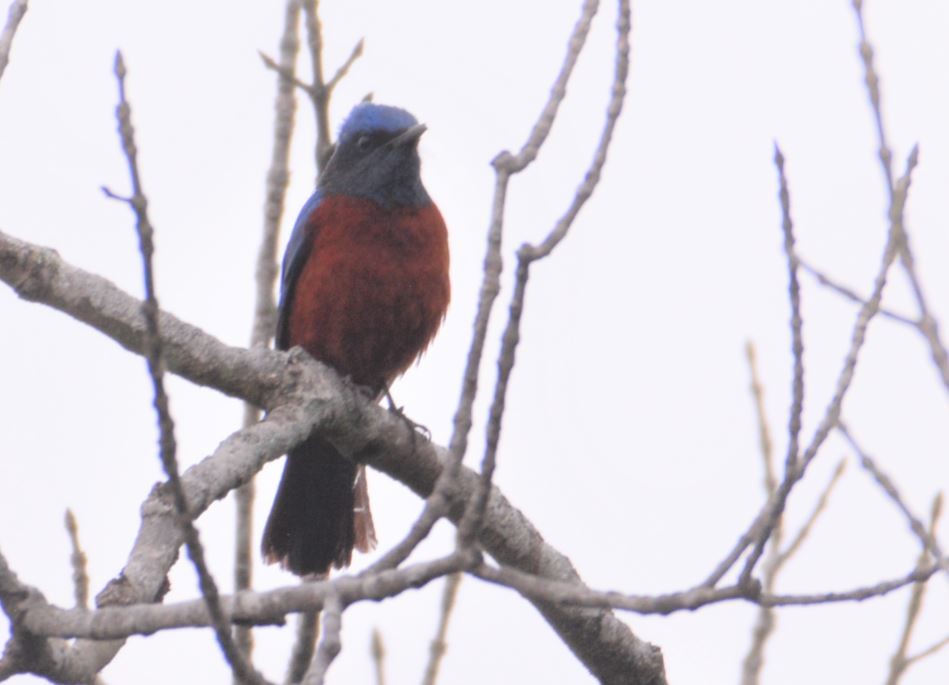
(242,669)
(301,396)
(929,542)
(331,644)
(505,165)
(14,16)
(899,662)
(760,529)
(80,577)
(927,325)
(528,254)
(439,643)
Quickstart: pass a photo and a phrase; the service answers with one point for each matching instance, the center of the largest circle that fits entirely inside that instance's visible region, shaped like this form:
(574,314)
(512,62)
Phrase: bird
(364,288)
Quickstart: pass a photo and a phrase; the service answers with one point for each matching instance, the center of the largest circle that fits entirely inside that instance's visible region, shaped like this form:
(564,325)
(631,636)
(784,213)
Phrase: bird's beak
(409,137)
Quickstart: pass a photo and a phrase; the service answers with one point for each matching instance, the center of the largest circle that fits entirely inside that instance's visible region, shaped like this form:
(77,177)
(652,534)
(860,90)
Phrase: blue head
(377,158)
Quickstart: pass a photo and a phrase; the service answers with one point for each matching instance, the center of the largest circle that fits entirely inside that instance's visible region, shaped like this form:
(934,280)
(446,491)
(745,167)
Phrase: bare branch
(873,91)
(764,432)
(776,557)
(318,92)
(765,622)
(818,509)
(301,396)
(546,590)
(792,458)
(80,577)
(929,542)
(153,356)
(308,626)
(284,73)
(439,644)
(272,606)
(899,662)
(331,644)
(14,16)
(927,325)
(929,651)
(345,66)
(764,522)
(797,322)
(774,563)
(259,608)
(378,651)
(860,594)
(512,164)
(527,255)
(505,165)
(850,294)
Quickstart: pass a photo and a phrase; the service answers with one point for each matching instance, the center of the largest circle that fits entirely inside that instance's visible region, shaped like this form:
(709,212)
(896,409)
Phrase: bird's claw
(416,428)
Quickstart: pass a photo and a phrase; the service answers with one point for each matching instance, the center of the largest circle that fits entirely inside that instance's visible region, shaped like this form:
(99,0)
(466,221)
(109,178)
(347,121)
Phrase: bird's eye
(364,143)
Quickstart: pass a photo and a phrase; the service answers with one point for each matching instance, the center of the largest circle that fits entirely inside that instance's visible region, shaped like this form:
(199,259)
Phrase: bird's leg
(398,411)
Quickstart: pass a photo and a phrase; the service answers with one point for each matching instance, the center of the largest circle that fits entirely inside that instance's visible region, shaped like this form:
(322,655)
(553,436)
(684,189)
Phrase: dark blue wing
(295,256)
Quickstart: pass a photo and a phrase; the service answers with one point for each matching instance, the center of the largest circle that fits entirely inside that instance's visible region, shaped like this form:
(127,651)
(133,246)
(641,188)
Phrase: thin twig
(761,527)
(526,256)
(318,92)
(439,643)
(153,355)
(285,74)
(764,624)
(792,458)
(850,294)
(797,322)
(377,650)
(818,509)
(331,644)
(548,590)
(774,563)
(776,556)
(80,576)
(873,91)
(308,626)
(505,165)
(763,524)
(886,483)
(265,308)
(927,325)
(899,662)
(929,651)
(345,67)
(14,16)
(764,432)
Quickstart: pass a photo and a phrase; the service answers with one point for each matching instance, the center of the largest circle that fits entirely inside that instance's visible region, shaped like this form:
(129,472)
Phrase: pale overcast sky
(630,438)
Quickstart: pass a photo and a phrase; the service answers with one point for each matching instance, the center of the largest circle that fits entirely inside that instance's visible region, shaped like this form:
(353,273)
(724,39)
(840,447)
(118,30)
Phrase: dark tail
(320,513)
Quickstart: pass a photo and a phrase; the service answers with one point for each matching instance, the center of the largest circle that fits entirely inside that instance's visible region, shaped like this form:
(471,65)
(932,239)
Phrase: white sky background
(630,437)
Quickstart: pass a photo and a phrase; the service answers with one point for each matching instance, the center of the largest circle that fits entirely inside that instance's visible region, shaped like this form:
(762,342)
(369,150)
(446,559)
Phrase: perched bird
(364,289)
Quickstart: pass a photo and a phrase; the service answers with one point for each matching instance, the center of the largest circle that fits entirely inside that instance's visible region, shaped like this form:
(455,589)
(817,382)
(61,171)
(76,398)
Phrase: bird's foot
(416,428)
